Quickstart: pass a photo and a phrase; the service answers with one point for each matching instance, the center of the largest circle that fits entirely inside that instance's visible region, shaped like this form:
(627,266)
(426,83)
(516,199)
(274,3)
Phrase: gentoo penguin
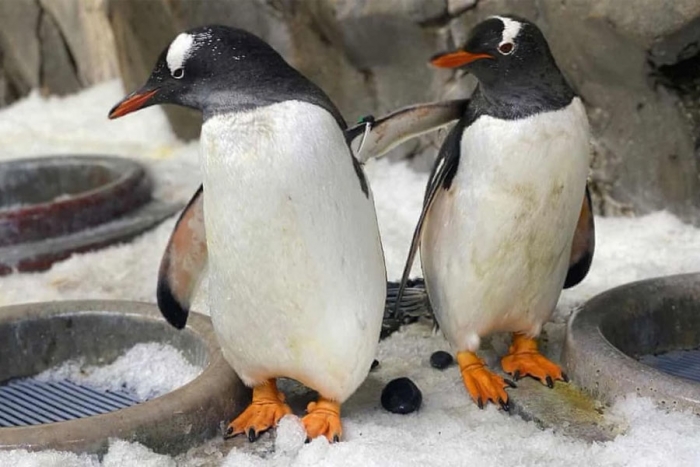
(297,277)
(506,220)
(185,256)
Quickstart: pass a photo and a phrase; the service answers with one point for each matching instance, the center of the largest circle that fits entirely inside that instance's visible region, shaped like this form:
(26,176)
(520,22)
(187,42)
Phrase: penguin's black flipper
(583,245)
(440,179)
(372,138)
(183,263)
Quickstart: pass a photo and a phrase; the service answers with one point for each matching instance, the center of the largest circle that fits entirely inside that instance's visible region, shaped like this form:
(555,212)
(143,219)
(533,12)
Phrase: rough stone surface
(58,46)
(88,37)
(19,43)
(57,73)
(645,155)
(636,68)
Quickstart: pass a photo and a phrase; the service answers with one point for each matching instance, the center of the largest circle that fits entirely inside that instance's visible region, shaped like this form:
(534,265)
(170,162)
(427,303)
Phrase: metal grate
(29,402)
(414,305)
(683,363)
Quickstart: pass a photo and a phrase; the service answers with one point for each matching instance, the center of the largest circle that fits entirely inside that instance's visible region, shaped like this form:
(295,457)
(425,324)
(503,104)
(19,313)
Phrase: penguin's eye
(506,48)
(178,73)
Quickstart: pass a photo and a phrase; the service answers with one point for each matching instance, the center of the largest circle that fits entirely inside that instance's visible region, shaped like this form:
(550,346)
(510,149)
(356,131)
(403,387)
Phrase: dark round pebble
(401,396)
(375,364)
(441,360)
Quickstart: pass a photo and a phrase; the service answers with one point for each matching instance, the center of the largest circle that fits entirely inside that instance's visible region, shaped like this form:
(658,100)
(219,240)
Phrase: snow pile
(23,458)
(145,371)
(290,436)
(124,454)
(449,429)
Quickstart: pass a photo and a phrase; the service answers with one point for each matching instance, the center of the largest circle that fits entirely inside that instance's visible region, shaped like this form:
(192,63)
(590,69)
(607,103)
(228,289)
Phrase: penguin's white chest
(297,279)
(496,245)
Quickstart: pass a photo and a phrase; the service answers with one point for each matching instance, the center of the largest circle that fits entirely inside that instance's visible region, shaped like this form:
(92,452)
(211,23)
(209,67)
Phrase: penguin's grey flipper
(583,245)
(183,263)
(440,180)
(373,138)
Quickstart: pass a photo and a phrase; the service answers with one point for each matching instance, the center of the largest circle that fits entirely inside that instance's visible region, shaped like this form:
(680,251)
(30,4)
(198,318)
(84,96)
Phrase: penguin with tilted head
(506,220)
(297,278)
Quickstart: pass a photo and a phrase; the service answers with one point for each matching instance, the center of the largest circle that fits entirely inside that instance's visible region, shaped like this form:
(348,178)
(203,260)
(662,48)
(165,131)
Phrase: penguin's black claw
(504,405)
(564,377)
(336,438)
(510,383)
(307,440)
(480,403)
(516,375)
(550,383)
(252,435)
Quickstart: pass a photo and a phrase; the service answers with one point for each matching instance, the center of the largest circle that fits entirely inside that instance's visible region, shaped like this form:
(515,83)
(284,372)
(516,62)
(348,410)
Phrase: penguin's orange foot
(323,419)
(483,385)
(263,413)
(524,359)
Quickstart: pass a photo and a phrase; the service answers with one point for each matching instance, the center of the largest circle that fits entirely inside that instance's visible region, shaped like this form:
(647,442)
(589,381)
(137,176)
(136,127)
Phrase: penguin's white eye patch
(506,48)
(181,48)
(178,73)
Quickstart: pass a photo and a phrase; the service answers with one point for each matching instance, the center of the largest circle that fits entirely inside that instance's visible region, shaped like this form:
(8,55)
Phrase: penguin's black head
(212,68)
(508,55)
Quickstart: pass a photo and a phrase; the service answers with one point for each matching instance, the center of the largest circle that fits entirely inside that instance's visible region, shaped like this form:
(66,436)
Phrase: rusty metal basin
(51,207)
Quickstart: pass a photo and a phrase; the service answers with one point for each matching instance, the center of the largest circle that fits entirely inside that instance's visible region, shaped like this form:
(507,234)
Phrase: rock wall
(637,69)
(57,46)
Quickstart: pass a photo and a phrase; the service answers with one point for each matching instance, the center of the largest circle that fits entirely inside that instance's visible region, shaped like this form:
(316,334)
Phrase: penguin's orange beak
(456,59)
(131,103)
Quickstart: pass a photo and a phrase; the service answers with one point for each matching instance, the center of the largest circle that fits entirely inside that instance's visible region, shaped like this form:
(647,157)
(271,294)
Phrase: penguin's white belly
(297,278)
(496,245)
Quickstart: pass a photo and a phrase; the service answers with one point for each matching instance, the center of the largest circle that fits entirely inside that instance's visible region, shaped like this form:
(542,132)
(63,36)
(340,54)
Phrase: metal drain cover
(30,402)
(683,363)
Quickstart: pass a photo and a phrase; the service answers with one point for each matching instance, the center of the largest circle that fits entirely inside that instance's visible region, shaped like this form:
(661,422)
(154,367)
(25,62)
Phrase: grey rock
(376,42)
(19,43)
(88,36)
(416,11)
(57,72)
(457,7)
(4,85)
(648,21)
(58,46)
(645,147)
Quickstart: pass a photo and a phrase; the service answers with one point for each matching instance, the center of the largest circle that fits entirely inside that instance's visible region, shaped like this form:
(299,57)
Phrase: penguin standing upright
(297,277)
(506,221)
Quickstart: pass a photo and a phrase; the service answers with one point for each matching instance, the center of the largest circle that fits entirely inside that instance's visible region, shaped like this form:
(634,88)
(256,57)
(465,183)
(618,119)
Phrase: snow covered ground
(139,372)
(449,429)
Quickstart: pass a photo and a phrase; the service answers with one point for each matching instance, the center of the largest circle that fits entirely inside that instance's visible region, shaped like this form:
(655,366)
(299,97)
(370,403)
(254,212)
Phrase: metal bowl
(628,339)
(51,207)
(39,336)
